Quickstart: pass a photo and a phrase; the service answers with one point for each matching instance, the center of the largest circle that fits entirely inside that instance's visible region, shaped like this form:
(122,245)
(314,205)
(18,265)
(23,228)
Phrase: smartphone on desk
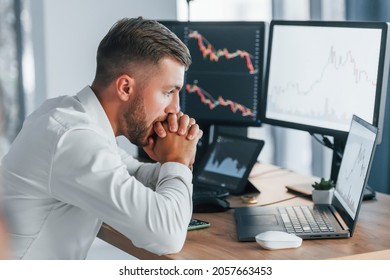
(197,224)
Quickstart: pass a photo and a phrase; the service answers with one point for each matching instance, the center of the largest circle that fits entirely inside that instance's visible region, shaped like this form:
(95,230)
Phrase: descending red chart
(224,81)
(211,102)
(208,51)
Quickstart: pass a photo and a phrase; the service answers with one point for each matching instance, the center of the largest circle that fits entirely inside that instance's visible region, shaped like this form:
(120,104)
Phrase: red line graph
(212,103)
(208,50)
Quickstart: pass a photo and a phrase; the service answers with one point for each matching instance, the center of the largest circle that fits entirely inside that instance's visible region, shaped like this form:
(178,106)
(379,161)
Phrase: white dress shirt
(64,175)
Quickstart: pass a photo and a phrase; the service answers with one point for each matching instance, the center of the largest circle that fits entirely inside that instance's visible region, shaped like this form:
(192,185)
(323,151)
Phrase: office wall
(67,33)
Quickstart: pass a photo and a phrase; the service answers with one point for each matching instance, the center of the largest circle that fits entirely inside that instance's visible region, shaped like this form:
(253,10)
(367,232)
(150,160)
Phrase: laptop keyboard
(305,219)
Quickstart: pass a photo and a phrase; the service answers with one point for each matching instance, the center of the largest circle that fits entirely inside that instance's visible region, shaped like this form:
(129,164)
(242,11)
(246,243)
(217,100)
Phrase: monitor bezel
(260,84)
(381,90)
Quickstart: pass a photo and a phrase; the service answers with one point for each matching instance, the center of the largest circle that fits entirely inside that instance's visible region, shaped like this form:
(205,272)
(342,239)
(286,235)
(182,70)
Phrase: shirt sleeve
(146,173)
(88,172)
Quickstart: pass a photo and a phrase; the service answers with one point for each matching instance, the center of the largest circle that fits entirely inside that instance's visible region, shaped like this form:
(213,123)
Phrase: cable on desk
(268,172)
(275,202)
(286,199)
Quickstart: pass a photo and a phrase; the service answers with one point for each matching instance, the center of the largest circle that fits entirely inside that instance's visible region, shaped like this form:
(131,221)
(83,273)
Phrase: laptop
(337,220)
(226,166)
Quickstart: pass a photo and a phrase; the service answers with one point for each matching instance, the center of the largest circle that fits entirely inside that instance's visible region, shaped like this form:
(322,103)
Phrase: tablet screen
(228,162)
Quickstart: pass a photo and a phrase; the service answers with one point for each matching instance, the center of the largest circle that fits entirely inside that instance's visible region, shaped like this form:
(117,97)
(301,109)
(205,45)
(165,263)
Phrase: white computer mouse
(273,240)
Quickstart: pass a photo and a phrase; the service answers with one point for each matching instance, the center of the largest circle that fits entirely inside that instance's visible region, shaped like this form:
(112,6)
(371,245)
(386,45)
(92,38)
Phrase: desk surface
(372,234)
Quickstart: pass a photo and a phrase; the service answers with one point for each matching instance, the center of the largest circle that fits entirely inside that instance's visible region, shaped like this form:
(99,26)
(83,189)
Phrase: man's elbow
(167,244)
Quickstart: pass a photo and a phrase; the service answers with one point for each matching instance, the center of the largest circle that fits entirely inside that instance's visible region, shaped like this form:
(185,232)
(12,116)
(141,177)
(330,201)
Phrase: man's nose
(174,105)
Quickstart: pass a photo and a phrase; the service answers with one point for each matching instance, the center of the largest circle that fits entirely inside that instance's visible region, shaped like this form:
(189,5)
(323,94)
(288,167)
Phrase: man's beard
(134,118)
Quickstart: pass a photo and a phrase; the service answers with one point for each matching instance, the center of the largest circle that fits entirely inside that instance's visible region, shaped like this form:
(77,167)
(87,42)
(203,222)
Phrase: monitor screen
(223,84)
(321,73)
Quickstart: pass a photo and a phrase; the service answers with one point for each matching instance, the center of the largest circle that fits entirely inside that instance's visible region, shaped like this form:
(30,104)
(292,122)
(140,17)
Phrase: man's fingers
(194,132)
(159,129)
(180,123)
(172,122)
(184,122)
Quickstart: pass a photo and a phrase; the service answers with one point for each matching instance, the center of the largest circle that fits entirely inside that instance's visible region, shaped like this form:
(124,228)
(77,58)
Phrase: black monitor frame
(339,136)
(223,28)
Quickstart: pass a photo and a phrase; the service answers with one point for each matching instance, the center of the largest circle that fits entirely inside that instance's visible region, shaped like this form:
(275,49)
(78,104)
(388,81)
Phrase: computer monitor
(223,84)
(320,73)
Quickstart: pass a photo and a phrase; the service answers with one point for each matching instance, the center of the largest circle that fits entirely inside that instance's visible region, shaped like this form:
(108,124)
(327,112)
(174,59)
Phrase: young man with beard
(64,174)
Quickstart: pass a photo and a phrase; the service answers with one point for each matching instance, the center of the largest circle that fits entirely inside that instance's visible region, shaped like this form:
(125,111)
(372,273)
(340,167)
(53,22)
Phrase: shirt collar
(95,110)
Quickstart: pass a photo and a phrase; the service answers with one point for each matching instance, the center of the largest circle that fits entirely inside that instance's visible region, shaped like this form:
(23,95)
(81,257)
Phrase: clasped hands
(175,141)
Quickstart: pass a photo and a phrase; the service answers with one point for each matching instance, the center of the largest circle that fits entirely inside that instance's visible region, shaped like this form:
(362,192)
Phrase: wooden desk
(372,233)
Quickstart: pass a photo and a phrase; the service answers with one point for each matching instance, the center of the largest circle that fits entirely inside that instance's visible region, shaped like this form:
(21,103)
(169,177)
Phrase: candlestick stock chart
(223,83)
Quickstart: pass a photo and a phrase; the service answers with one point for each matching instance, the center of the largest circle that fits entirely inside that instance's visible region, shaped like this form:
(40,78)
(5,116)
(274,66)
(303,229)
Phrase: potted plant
(323,191)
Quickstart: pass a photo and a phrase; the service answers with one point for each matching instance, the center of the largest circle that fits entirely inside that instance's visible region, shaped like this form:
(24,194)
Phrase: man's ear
(124,87)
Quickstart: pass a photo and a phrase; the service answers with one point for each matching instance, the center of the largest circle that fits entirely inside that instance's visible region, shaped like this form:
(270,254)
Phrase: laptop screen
(354,168)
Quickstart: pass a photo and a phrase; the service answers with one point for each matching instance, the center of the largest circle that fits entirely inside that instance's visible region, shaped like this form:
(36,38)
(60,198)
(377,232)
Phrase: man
(64,174)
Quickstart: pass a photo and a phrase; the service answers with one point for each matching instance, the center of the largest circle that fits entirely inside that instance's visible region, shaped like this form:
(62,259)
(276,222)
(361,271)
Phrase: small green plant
(323,185)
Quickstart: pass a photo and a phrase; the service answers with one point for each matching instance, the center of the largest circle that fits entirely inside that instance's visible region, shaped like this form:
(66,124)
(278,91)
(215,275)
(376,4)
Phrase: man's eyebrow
(178,87)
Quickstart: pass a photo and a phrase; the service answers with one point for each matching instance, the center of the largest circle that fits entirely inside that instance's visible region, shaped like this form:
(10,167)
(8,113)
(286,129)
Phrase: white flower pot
(322,196)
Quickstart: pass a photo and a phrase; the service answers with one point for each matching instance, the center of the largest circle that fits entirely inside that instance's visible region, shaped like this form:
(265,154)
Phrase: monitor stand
(338,150)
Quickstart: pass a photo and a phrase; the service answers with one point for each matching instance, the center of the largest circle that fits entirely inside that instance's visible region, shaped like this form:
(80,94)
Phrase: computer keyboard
(209,191)
(303,219)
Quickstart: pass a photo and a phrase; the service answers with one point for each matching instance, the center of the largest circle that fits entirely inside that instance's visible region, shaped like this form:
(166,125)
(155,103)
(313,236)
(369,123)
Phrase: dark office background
(376,10)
